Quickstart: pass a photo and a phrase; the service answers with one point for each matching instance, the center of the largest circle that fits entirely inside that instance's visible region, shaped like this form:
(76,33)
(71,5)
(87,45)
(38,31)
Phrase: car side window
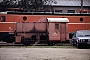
(74,35)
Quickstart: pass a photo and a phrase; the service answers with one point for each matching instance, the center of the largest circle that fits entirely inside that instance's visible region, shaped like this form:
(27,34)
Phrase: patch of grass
(37,47)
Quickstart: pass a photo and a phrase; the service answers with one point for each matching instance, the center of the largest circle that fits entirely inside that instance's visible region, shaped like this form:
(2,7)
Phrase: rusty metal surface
(40,27)
(63,31)
(60,34)
(17,39)
(26,35)
(19,27)
(31,27)
(67,33)
(58,31)
(7,27)
(24,27)
(53,33)
(27,27)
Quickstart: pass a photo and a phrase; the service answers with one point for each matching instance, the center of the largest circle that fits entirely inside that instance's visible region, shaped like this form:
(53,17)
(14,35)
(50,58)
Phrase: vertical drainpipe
(89,14)
(35,6)
(81,4)
(82,12)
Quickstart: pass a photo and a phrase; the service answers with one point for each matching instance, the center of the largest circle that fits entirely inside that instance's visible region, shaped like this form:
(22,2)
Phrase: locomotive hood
(84,38)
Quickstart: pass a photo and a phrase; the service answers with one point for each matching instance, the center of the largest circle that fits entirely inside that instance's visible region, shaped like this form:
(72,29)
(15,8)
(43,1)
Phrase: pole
(81,4)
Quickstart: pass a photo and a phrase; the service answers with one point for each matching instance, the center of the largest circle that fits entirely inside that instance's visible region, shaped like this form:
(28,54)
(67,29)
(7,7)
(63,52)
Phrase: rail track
(13,44)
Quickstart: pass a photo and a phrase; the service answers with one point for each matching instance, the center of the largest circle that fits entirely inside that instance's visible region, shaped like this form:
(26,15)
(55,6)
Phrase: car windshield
(83,34)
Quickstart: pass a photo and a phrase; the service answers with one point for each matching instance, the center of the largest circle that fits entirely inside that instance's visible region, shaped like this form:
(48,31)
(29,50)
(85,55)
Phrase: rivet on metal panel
(10,28)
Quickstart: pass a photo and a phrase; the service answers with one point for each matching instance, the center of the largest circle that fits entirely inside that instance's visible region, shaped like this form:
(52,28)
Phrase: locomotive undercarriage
(7,37)
(32,38)
(37,37)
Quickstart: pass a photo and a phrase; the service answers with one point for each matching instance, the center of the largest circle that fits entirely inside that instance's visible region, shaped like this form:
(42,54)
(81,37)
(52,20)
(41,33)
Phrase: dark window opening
(42,37)
(71,11)
(70,35)
(58,11)
(24,18)
(81,19)
(33,37)
(3,18)
(56,26)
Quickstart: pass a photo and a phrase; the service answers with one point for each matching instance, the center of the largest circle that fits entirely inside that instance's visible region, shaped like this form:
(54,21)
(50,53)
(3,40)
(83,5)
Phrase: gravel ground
(44,54)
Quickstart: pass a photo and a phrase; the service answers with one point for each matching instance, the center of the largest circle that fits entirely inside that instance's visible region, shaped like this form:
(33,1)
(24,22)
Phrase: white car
(81,37)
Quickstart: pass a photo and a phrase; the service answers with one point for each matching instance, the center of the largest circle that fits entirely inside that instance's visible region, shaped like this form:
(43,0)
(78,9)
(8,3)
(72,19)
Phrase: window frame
(3,18)
(70,11)
(56,25)
(58,11)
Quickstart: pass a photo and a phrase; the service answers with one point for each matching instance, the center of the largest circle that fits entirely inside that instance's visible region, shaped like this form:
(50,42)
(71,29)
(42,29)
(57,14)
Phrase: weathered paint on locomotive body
(8,23)
(53,30)
(7,26)
(73,20)
(30,30)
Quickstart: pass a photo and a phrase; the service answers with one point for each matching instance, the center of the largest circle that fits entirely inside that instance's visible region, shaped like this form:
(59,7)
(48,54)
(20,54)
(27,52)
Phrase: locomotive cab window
(56,26)
(3,18)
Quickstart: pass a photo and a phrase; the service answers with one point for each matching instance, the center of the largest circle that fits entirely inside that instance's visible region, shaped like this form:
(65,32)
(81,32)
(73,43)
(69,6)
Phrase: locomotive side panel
(9,22)
(76,19)
(63,31)
(76,27)
(18,27)
(40,27)
(7,26)
(67,32)
(17,39)
(26,35)
(54,33)
(88,26)
(28,27)
(58,31)
(31,27)
(30,31)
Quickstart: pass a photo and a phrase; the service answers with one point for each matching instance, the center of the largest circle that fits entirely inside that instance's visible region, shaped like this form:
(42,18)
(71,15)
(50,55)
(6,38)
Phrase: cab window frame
(56,25)
(3,18)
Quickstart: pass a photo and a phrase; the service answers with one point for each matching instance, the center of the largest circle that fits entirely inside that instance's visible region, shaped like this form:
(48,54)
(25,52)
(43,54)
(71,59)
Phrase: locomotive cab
(58,29)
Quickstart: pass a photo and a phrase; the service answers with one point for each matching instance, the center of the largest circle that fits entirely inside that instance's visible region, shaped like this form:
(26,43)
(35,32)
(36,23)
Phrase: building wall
(65,9)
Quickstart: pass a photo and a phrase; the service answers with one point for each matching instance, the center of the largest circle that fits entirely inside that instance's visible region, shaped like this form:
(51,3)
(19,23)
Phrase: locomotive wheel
(26,42)
(50,44)
(10,39)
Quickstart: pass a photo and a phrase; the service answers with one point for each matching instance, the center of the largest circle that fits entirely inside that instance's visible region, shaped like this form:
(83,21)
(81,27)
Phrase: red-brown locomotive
(26,27)
(50,30)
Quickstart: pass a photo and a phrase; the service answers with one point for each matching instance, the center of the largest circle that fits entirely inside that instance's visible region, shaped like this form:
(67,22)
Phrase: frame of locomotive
(10,25)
